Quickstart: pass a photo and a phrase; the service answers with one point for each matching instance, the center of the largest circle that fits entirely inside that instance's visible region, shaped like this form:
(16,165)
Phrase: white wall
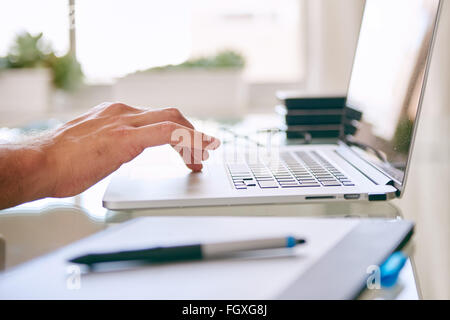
(332,29)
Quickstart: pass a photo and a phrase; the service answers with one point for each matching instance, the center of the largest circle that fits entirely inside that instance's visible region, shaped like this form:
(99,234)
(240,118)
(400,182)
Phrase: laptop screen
(388,78)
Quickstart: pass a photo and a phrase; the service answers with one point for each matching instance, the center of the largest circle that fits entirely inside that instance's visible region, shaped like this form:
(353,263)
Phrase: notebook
(332,265)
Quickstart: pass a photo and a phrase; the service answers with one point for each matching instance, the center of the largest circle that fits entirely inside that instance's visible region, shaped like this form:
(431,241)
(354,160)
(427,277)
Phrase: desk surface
(253,276)
(39,227)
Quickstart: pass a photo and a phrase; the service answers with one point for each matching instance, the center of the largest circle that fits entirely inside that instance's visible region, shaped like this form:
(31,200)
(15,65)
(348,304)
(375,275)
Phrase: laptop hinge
(368,170)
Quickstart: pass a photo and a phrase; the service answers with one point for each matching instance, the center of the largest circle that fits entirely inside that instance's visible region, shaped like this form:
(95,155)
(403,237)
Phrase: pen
(189,252)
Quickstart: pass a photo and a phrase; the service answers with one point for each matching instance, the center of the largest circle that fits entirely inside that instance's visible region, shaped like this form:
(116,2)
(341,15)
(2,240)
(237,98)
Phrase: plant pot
(197,93)
(24,95)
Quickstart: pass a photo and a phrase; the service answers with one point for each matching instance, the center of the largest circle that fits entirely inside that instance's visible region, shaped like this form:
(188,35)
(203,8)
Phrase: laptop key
(286,183)
(324,176)
(304,177)
(285,178)
(307,185)
(330,183)
(268,184)
(237,167)
(286,175)
(263,177)
(266,179)
(261,174)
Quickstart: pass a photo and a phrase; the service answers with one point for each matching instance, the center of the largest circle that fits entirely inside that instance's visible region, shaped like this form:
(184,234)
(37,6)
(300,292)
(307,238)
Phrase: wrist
(25,174)
(38,176)
(15,170)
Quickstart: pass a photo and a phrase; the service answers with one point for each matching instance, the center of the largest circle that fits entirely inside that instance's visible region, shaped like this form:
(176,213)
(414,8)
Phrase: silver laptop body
(387,85)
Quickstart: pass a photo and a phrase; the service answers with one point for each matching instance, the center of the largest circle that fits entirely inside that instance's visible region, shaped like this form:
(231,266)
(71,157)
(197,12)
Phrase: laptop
(387,85)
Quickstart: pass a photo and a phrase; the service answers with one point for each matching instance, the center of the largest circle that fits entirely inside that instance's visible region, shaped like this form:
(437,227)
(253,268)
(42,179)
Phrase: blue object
(290,242)
(391,268)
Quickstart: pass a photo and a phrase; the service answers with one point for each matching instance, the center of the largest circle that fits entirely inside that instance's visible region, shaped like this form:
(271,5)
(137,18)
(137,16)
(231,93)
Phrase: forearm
(24,174)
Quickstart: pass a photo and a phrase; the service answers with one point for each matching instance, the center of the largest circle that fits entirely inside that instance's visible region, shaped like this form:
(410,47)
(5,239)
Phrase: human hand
(81,152)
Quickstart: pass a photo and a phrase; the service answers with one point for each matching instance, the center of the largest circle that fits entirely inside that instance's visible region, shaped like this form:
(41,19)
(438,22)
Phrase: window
(47,16)
(117,37)
(267,32)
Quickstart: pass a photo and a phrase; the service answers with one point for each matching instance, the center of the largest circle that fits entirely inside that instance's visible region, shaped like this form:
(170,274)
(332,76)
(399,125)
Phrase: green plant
(3,63)
(67,73)
(226,59)
(30,51)
(403,135)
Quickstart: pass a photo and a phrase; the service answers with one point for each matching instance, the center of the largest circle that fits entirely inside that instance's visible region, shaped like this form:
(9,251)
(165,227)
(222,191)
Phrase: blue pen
(189,252)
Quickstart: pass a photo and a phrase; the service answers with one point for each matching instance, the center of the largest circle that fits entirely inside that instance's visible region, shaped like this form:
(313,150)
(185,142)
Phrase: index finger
(159,115)
(172,133)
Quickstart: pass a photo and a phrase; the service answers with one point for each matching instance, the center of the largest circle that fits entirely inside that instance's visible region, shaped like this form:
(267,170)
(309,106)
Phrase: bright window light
(118,37)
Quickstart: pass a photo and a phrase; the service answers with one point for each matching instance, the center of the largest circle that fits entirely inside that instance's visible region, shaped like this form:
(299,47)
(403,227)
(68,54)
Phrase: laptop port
(377,197)
(319,197)
(352,196)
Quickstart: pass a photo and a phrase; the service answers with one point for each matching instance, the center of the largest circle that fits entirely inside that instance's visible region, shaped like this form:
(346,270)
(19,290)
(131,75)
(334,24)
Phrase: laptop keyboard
(312,171)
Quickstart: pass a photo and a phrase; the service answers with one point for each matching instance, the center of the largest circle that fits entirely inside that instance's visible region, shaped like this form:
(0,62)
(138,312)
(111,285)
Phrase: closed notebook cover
(344,271)
(331,265)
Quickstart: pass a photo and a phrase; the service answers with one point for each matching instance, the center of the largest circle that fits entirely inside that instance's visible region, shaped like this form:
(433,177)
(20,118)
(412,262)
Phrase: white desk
(255,276)
(43,226)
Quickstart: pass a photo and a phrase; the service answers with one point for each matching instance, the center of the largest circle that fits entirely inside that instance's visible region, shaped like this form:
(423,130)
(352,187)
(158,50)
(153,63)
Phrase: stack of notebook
(317,117)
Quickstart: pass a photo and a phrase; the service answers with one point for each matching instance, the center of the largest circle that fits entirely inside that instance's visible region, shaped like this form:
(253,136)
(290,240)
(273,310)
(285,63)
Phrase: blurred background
(231,56)
(224,60)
